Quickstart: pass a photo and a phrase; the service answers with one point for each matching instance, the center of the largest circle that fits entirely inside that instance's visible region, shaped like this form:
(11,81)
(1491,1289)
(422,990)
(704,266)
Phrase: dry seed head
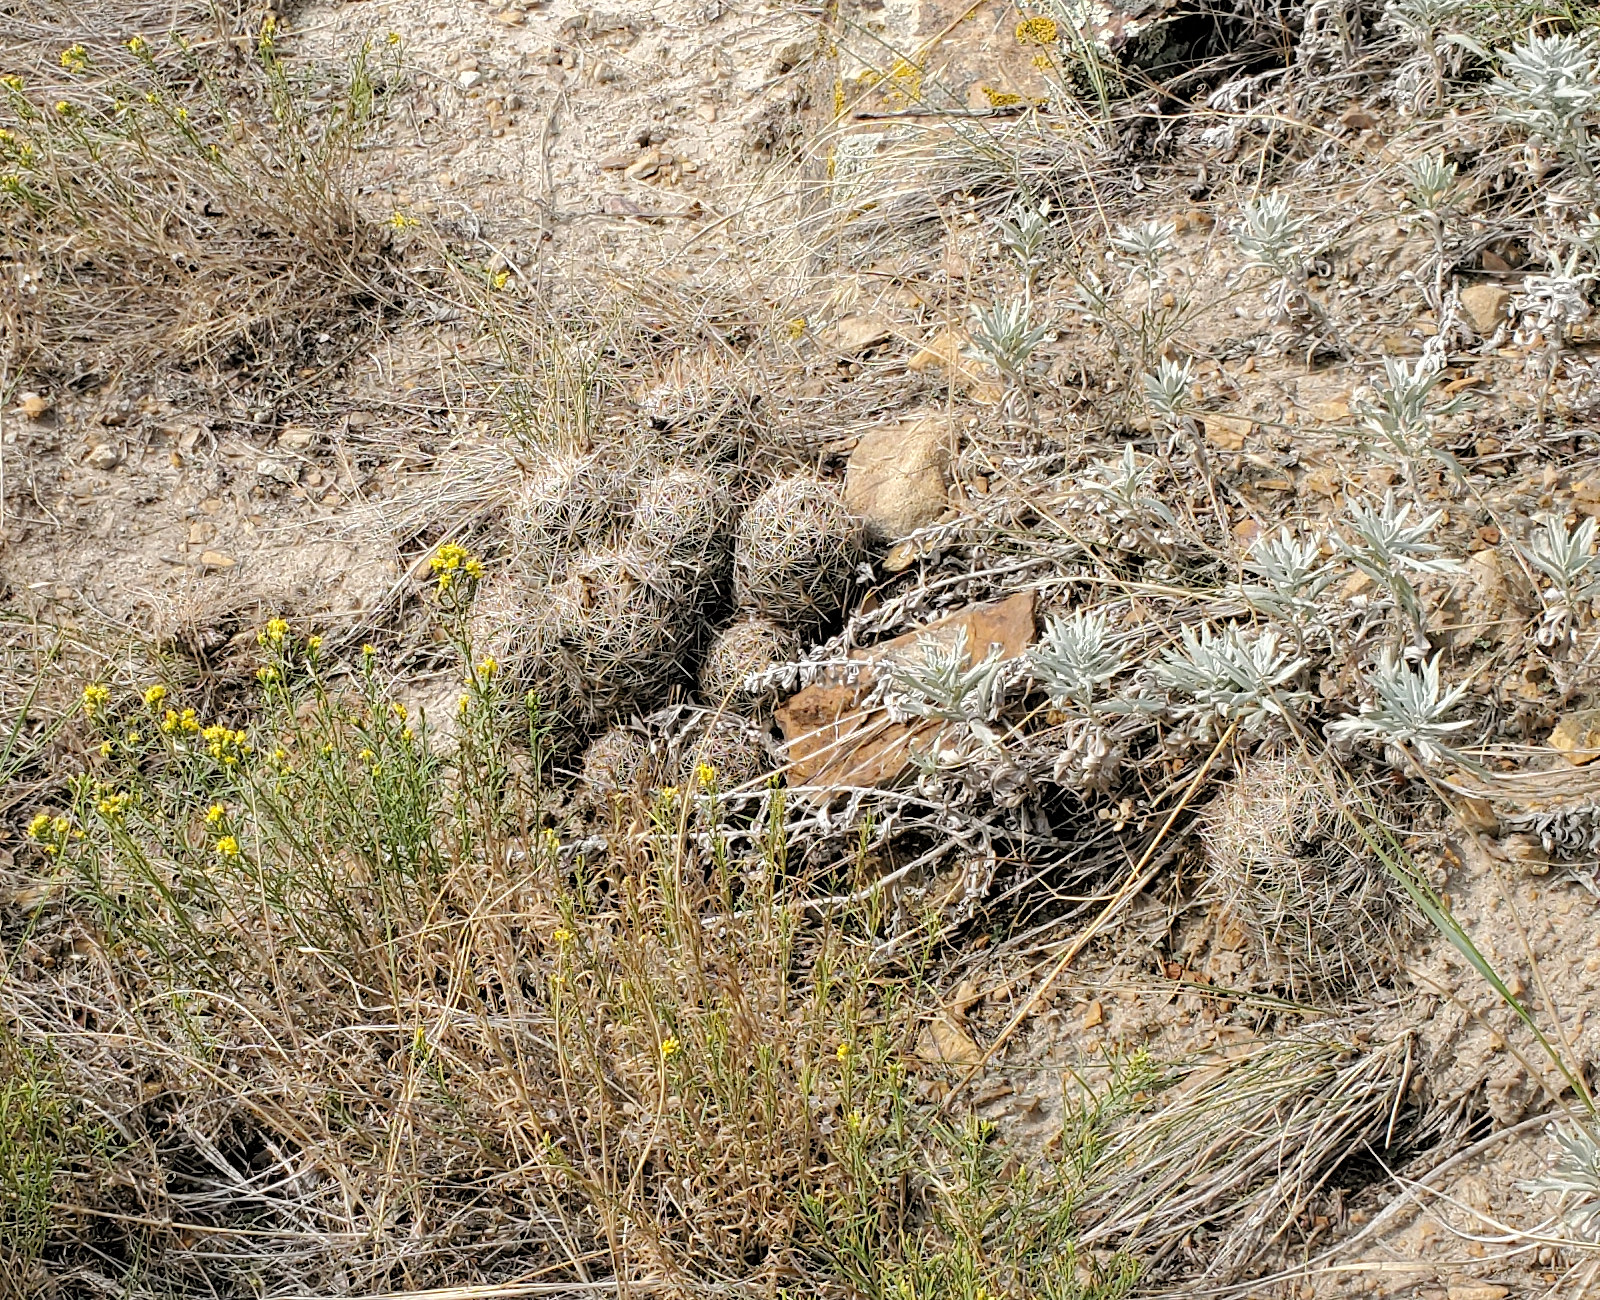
(1291,867)
(567,503)
(681,518)
(752,645)
(796,552)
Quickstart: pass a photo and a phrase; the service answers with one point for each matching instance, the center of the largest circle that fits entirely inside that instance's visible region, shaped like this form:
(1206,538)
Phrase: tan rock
(103,456)
(1486,305)
(852,335)
(896,476)
(1228,432)
(216,560)
(1330,412)
(645,166)
(33,405)
(1577,736)
(1476,1291)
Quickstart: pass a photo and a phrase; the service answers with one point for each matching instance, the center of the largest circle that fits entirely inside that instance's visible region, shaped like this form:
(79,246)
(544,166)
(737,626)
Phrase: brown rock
(1577,736)
(216,560)
(1228,432)
(33,405)
(1476,1291)
(1486,305)
(1357,119)
(833,741)
(896,476)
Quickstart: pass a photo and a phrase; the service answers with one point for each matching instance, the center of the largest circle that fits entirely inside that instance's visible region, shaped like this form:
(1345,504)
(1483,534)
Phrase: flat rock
(850,336)
(1577,736)
(896,476)
(832,740)
(1228,432)
(1486,305)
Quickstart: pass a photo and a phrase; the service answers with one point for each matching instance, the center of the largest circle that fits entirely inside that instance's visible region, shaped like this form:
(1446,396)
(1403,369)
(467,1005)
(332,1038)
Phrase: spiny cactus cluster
(615,584)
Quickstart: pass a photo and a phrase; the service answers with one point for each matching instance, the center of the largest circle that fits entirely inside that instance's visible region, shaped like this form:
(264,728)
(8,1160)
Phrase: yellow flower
(75,58)
(105,749)
(1038,30)
(139,45)
(670,1047)
(451,562)
(40,824)
(266,676)
(463,703)
(313,643)
(366,756)
(844,1051)
(153,695)
(393,38)
(795,328)
(400,221)
(398,709)
(113,807)
(275,633)
(11,83)
(228,847)
(1000,98)
(667,793)
(133,737)
(225,745)
(560,934)
(498,279)
(705,775)
(95,698)
(189,722)
(64,108)
(215,814)
(369,651)
(489,667)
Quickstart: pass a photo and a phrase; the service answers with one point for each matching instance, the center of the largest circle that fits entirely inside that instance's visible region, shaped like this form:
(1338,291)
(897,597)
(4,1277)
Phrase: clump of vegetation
(159,204)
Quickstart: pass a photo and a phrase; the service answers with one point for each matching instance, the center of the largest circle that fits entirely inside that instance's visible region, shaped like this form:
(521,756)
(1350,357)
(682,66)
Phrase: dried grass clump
(682,518)
(567,503)
(159,203)
(1287,862)
(752,645)
(615,765)
(796,552)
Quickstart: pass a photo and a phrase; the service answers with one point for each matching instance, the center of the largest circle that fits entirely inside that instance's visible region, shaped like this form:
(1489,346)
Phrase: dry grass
(174,193)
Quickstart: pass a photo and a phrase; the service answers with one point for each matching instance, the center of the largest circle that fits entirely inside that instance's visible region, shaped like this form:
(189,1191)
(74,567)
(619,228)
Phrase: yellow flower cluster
(75,59)
(705,776)
(14,149)
(400,221)
(114,806)
(153,695)
(50,832)
(228,848)
(1038,30)
(670,1047)
(139,46)
(95,699)
(275,633)
(225,745)
(185,722)
(215,814)
(451,564)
